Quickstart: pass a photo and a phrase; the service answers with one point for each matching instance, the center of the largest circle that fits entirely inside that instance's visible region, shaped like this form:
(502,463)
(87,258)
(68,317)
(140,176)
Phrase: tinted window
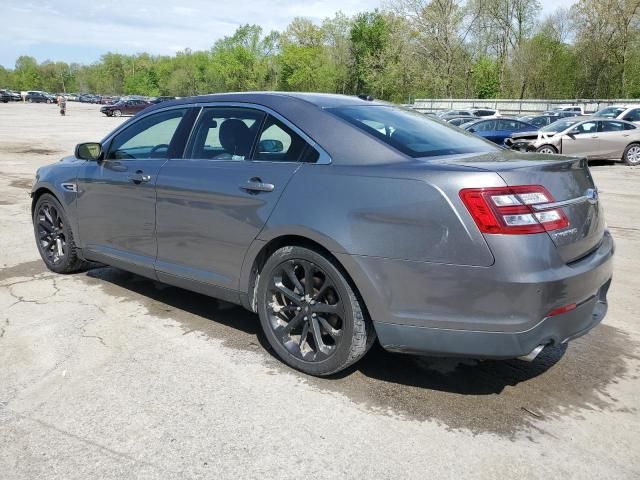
(225,133)
(485,113)
(510,125)
(539,121)
(629,126)
(633,115)
(611,126)
(278,143)
(487,126)
(410,132)
(610,112)
(149,137)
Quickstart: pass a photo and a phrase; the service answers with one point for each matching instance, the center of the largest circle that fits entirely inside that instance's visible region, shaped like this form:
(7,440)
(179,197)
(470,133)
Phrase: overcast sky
(81,31)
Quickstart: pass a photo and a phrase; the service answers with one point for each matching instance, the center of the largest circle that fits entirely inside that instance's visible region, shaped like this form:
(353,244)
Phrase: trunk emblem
(592,195)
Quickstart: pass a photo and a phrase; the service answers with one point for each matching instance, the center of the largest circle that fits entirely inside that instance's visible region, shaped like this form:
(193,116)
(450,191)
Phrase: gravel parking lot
(109,375)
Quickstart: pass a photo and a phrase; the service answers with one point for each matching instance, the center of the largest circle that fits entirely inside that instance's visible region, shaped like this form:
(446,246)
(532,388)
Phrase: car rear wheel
(310,314)
(548,149)
(117,113)
(48,100)
(632,154)
(54,237)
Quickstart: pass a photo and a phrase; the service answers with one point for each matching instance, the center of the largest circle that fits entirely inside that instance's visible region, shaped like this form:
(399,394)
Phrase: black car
(162,99)
(5,96)
(40,97)
(540,120)
(88,98)
(125,107)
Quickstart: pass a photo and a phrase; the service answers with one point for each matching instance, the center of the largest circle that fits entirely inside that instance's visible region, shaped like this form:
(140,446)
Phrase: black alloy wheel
(310,314)
(54,237)
(51,236)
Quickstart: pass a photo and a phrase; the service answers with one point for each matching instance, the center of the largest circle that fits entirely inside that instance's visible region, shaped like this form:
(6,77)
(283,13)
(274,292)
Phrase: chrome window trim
(323,159)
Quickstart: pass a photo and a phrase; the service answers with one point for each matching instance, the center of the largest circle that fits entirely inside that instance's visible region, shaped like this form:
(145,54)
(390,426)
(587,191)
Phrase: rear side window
(225,133)
(628,126)
(611,126)
(488,126)
(279,143)
(510,125)
(411,133)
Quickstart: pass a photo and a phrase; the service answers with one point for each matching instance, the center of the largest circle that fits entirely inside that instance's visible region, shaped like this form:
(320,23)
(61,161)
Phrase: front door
(586,140)
(117,198)
(214,203)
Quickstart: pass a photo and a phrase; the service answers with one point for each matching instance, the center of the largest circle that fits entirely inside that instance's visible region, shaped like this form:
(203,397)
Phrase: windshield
(609,112)
(412,133)
(560,125)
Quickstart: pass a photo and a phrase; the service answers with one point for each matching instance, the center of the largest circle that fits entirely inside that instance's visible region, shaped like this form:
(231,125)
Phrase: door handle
(139,177)
(256,185)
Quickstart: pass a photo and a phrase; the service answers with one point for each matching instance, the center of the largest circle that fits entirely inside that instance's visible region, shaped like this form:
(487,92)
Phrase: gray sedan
(591,137)
(338,220)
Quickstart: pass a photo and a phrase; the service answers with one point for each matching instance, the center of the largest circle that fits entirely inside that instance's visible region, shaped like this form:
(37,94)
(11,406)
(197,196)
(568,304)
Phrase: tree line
(408,49)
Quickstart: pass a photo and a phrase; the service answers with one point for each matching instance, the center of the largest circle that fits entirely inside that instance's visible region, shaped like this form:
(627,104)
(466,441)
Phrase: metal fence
(514,107)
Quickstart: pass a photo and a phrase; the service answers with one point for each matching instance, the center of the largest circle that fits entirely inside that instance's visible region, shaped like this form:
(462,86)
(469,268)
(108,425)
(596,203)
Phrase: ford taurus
(338,220)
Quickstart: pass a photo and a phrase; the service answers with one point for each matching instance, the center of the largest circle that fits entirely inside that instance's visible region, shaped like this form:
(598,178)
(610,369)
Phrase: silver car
(590,137)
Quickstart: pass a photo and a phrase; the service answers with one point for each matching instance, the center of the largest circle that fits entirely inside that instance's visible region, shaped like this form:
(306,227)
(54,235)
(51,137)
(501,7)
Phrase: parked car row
(7,96)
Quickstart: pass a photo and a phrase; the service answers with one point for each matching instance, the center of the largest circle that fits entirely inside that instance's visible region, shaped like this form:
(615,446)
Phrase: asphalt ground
(108,375)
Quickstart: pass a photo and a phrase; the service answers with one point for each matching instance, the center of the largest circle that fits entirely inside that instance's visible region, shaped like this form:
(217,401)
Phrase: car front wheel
(54,236)
(548,149)
(117,113)
(310,314)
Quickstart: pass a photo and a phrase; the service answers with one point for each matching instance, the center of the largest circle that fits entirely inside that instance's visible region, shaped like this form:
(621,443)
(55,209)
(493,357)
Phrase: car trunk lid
(570,183)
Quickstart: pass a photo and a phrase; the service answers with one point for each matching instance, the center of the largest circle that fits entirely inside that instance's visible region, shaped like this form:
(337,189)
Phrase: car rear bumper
(500,311)
(554,330)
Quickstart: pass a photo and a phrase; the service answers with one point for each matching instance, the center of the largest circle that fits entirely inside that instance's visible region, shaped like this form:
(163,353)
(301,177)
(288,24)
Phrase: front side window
(587,127)
(225,133)
(149,137)
(411,133)
(510,125)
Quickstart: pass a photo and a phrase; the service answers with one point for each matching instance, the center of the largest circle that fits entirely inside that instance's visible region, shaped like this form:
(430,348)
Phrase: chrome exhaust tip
(532,355)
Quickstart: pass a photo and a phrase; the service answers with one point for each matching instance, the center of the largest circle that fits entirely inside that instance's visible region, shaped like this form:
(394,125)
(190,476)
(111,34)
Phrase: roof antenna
(366,97)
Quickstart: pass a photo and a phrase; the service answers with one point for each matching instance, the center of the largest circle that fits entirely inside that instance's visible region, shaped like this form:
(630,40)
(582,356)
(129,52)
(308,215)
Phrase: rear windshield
(412,133)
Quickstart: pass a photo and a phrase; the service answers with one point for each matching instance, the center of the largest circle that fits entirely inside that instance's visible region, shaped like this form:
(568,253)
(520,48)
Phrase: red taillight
(561,310)
(509,210)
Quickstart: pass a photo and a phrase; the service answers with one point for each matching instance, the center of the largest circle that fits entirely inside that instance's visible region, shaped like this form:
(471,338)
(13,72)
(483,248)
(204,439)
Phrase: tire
(117,113)
(48,101)
(346,334)
(548,149)
(631,154)
(30,100)
(56,222)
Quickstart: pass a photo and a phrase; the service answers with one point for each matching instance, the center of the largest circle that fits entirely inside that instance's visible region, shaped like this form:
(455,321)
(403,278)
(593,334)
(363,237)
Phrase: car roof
(321,100)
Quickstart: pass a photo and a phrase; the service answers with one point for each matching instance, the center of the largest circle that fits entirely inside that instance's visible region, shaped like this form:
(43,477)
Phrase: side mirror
(91,151)
(471,130)
(572,132)
(271,146)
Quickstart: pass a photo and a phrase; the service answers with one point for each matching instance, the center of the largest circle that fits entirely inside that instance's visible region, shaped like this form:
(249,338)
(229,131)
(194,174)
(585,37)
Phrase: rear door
(116,196)
(613,138)
(585,141)
(213,203)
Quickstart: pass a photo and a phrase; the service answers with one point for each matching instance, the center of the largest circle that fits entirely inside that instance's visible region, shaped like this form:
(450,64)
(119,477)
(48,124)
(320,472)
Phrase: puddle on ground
(28,150)
(502,397)
(28,269)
